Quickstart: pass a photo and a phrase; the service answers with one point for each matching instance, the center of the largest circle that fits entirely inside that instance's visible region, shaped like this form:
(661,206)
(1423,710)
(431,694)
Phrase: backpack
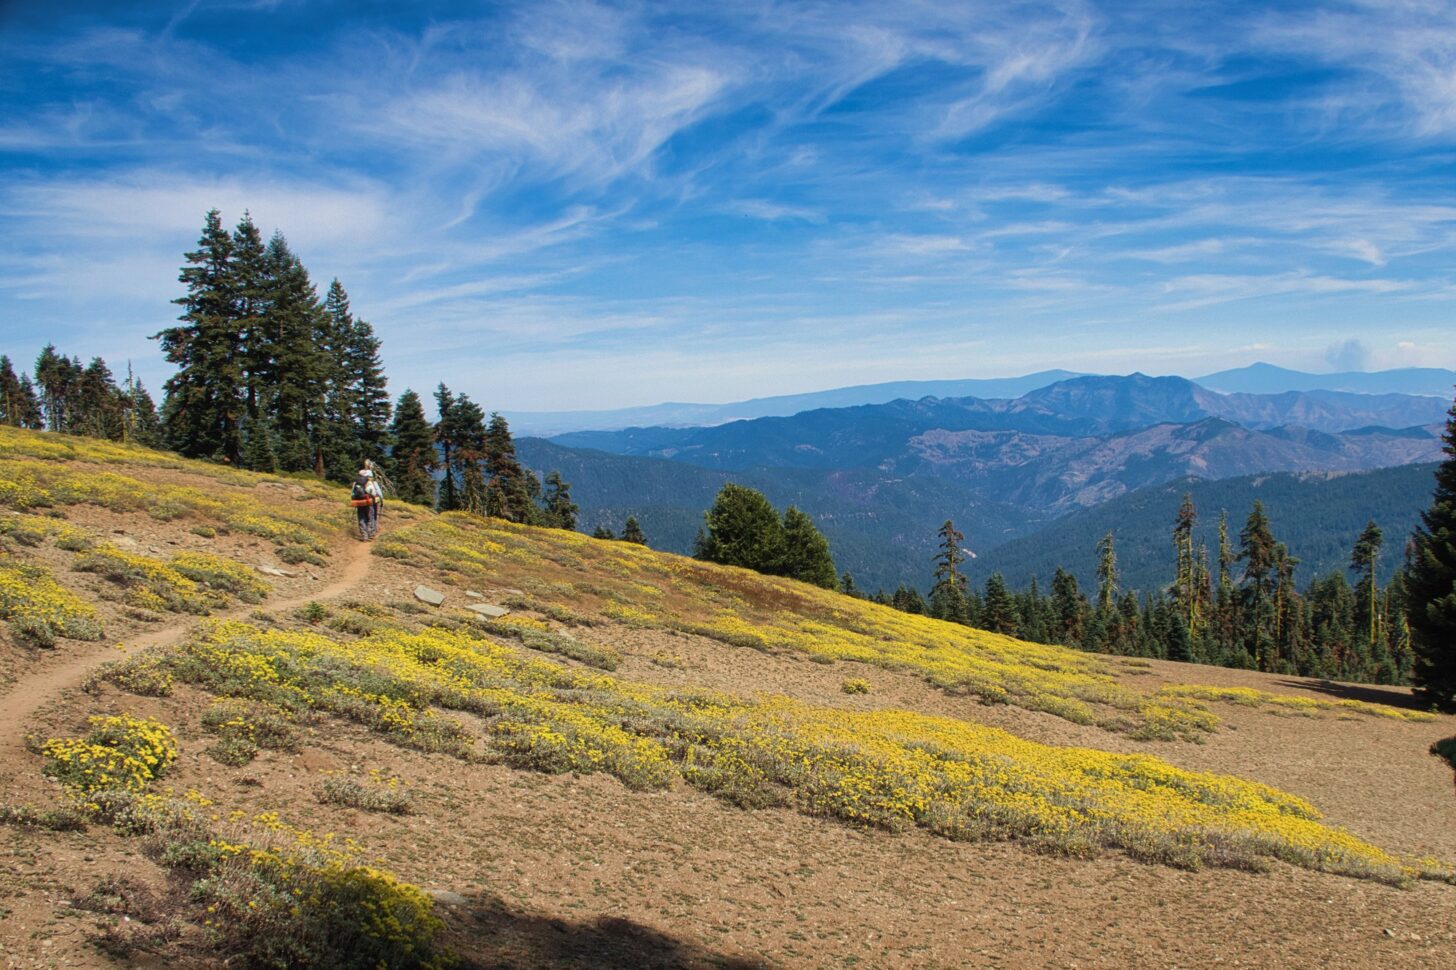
(359,491)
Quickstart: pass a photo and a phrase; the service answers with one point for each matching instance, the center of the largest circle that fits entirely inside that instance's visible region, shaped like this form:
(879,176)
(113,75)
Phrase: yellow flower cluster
(30,596)
(650,589)
(1250,697)
(192,582)
(884,768)
(119,752)
(27,484)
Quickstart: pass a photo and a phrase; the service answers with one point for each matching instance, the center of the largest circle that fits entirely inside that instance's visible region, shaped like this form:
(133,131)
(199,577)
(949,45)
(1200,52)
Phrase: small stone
(426,595)
(447,897)
(1390,932)
(473,594)
(488,610)
(273,571)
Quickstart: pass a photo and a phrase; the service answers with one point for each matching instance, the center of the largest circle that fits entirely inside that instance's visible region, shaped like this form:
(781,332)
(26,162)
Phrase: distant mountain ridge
(880,478)
(679,415)
(1262,378)
(1259,378)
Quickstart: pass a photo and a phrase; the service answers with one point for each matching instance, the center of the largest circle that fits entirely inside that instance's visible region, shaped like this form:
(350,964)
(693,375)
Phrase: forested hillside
(1319,517)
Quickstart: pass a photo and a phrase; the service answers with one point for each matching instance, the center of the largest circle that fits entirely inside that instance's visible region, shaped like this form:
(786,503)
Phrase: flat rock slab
(274,571)
(488,610)
(473,594)
(447,897)
(426,595)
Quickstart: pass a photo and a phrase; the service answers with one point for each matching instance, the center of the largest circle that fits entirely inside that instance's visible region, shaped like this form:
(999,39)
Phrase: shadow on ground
(1370,693)
(487,934)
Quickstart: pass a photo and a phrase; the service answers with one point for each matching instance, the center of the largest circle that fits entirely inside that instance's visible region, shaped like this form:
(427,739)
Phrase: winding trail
(30,694)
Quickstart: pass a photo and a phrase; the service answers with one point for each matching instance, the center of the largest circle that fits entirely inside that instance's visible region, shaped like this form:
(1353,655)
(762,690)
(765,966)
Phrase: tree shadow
(1388,695)
(487,934)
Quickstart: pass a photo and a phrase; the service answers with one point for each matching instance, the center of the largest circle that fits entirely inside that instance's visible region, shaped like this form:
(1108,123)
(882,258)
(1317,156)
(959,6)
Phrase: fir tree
(998,609)
(602,532)
(1106,575)
(847,586)
(19,405)
(370,391)
(806,552)
(632,532)
(299,371)
(445,431)
(205,401)
(249,281)
(1431,585)
(561,511)
(907,599)
(948,595)
(1365,560)
(258,452)
(743,530)
(1069,609)
(412,455)
(510,486)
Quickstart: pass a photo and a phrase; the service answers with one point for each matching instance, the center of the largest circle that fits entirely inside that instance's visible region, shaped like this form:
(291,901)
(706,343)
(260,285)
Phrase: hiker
(366,497)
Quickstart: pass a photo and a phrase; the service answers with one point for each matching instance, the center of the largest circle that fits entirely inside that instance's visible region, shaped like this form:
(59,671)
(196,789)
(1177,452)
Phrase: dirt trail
(30,694)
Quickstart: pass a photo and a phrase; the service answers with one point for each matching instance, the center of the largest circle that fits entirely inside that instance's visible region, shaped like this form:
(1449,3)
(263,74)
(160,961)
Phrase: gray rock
(274,571)
(426,595)
(473,594)
(447,897)
(488,610)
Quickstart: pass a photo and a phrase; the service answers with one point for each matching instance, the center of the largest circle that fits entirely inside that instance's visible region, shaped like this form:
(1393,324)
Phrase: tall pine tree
(1431,585)
(412,454)
(202,416)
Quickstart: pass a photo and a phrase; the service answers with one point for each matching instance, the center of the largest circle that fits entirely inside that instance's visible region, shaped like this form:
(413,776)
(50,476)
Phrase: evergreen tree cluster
(742,529)
(1248,614)
(67,397)
(270,377)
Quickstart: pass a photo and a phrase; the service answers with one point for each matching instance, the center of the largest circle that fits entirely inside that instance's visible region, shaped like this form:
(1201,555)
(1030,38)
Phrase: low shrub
(119,752)
(64,819)
(855,685)
(374,794)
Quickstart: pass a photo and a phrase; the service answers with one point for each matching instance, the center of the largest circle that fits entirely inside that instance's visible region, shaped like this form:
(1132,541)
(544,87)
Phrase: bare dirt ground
(566,871)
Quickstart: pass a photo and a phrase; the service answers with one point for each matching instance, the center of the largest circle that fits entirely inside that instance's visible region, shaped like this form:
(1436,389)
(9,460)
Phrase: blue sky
(578,205)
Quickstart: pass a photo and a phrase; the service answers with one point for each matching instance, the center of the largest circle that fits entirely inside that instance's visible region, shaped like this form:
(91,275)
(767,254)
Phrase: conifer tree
(19,405)
(632,532)
(1431,584)
(204,398)
(412,455)
(248,265)
(1106,575)
(449,491)
(298,372)
(338,451)
(561,511)
(742,530)
(370,391)
(1069,609)
(948,595)
(1190,584)
(907,599)
(806,552)
(98,404)
(602,532)
(510,486)
(258,452)
(1365,560)
(998,609)
(143,424)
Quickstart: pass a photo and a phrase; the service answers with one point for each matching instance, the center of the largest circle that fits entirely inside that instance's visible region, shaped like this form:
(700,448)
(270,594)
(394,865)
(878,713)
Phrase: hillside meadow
(230,732)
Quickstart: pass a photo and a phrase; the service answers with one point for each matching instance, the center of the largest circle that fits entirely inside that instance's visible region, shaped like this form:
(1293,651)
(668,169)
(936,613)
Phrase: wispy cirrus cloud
(513,187)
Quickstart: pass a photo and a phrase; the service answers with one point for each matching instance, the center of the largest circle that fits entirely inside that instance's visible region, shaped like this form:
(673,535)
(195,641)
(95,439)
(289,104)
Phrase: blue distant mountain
(1264,378)
(677,415)
(880,478)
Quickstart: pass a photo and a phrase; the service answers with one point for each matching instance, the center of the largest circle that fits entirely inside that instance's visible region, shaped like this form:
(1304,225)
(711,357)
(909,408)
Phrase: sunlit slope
(529,692)
(576,579)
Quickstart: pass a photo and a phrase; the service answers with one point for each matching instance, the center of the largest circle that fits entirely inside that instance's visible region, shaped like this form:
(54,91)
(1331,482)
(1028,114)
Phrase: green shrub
(855,685)
(376,795)
(294,554)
